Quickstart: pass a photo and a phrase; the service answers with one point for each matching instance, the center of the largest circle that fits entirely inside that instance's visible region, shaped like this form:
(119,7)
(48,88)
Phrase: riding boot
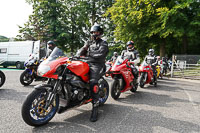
(94,115)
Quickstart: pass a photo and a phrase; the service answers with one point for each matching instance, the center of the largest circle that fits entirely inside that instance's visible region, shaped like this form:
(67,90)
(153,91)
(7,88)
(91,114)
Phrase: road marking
(194,105)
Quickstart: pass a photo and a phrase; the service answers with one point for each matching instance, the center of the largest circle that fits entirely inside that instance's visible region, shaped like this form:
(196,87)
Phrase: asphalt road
(172,107)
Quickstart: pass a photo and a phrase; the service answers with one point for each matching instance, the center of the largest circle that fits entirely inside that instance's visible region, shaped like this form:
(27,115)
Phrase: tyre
(33,109)
(155,81)
(142,80)
(115,89)
(2,78)
(135,86)
(103,91)
(26,78)
(18,65)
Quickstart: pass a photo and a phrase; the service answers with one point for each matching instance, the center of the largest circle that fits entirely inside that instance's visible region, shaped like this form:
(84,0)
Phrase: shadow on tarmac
(118,118)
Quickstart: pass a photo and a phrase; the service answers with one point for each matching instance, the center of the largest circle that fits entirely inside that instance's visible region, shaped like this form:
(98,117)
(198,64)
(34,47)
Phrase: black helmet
(151,51)
(52,46)
(96,28)
(51,42)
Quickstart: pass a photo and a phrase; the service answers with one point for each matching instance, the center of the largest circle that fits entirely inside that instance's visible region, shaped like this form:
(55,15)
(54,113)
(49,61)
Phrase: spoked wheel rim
(103,94)
(104,91)
(27,78)
(37,110)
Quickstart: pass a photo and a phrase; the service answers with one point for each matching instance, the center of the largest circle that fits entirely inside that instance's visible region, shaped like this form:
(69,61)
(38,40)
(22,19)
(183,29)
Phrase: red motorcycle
(109,65)
(67,87)
(121,72)
(146,75)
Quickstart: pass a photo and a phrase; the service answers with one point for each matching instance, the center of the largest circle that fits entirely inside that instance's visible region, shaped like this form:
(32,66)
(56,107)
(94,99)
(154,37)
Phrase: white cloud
(13,13)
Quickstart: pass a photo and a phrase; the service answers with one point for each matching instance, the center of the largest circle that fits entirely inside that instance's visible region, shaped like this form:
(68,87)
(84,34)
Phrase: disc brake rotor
(39,107)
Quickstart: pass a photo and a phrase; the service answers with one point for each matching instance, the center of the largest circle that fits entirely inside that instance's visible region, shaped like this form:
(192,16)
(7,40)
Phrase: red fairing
(146,69)
(54,65)
(118,68)
(128,77)
(125,72)
(80,69)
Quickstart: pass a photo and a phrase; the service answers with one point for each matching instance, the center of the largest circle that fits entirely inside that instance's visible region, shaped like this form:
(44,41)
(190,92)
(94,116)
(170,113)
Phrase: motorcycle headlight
(42,69)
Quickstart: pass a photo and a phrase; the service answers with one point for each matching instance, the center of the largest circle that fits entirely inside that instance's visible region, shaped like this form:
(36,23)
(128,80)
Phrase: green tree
(66,21)
(46,22)
(155,23)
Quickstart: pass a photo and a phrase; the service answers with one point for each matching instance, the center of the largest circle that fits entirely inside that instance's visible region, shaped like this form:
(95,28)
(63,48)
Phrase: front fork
(145,74)
(52,93)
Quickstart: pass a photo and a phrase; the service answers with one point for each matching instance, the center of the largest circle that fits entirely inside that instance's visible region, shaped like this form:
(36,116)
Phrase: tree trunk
(93,13)
(185,44)
(72,36)
(162,48)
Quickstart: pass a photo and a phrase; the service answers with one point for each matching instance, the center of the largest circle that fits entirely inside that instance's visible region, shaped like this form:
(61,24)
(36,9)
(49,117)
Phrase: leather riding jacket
(95,50)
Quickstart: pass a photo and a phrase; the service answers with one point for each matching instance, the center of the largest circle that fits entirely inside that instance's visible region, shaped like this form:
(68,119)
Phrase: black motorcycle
(2,78)
(30,73)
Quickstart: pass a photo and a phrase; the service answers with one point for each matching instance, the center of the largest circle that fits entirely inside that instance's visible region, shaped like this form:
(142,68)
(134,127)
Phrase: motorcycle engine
(78,94)
(77,87)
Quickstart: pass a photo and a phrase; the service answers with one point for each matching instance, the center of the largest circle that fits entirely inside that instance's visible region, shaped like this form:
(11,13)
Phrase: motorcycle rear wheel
(26,78)
(33,111)
(2,78)
(115,89)
(104,91)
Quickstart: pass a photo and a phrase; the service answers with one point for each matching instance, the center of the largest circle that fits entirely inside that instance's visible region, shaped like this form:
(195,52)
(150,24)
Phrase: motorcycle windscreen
(118,62)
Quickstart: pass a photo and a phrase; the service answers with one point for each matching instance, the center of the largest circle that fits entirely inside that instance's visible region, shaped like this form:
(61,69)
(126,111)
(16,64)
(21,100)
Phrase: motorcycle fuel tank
(80,69)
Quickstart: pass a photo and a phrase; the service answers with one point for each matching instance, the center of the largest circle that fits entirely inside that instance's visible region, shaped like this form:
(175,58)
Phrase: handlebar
(78,58)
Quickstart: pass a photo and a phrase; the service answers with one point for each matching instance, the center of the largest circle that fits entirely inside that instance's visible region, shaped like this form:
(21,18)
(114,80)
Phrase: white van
(16,53)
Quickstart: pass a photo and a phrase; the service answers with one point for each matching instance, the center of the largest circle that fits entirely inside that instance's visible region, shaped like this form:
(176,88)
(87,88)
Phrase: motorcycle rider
(51,46)
(165,65)
(159,61)
(114,57)
(96,50)
(132,54)
(152,59)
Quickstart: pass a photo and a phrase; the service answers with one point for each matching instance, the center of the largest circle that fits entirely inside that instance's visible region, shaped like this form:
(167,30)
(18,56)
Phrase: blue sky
(13,13)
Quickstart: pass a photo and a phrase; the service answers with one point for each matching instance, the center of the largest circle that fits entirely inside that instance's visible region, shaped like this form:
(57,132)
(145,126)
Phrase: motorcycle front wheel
(134,88)
(155,81)
(115,89)
(34,112)
(2,78)
(142,80)
(26,78)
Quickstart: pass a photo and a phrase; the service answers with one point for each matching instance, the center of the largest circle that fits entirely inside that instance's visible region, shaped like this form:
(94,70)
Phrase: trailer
(16,53)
